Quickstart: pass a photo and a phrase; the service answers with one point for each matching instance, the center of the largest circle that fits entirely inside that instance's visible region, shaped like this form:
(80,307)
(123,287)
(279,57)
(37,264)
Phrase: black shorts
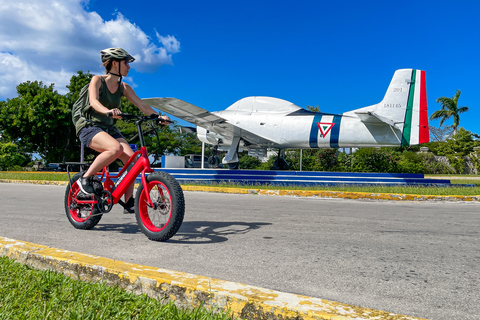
(86,134)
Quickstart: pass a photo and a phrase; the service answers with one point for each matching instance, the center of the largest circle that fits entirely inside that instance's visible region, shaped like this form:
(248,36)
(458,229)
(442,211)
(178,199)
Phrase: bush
(475,158)
(309,160)
(344,162)
(460,144)
(373,160)
(457,162)
(327,159)
(411,162)
(9,156)
(247,162)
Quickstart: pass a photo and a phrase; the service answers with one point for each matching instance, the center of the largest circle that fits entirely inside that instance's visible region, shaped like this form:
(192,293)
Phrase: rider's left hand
(164,120)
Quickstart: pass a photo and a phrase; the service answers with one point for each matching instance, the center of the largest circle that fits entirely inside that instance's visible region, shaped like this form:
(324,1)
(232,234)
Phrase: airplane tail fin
(404,107)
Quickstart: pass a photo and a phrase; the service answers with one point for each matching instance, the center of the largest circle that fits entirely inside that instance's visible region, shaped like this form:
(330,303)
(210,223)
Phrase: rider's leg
(109,148)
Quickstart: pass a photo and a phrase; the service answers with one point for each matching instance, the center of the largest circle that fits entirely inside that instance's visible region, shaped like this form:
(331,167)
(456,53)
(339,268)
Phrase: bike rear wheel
(81,216)
(162,221)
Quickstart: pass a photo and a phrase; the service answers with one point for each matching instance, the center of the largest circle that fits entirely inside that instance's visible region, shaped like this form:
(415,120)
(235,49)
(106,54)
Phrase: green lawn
(41,175)
(455,179)
(26,293)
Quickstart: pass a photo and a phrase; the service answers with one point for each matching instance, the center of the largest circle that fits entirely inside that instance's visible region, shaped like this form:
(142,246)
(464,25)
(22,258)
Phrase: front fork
(145,189)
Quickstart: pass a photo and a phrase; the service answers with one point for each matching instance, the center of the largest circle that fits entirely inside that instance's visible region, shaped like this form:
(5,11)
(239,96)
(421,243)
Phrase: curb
(335,194)
(298,193)
(244,301)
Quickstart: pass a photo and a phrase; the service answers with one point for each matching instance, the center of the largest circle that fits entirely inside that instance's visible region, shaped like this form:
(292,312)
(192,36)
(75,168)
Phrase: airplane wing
(205,119)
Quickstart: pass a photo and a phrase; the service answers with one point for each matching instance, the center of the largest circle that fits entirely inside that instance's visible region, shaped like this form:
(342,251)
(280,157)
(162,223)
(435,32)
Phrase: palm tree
(449,109)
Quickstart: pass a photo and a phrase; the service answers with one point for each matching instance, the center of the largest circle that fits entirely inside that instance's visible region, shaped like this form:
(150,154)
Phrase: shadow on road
(191,232)
(202,232)
(120,228)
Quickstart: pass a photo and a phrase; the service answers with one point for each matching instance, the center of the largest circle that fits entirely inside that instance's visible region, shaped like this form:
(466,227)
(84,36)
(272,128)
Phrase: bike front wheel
(81,216)
(161,221)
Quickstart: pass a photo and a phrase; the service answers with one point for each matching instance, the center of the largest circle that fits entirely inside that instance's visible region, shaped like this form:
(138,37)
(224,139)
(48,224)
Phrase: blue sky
(339,55)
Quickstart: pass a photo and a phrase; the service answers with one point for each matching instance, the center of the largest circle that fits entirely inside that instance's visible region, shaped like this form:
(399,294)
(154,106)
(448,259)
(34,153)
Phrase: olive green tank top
(108,100)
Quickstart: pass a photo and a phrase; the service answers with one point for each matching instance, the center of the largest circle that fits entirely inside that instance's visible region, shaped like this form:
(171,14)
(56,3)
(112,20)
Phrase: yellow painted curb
(334,194)
(243,301)
(298,193)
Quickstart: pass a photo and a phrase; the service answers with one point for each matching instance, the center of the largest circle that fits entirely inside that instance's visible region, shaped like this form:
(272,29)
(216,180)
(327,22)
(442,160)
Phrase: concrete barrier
(241,300)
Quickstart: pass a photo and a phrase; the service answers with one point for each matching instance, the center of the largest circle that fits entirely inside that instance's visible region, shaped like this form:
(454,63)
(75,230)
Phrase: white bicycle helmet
(116,54)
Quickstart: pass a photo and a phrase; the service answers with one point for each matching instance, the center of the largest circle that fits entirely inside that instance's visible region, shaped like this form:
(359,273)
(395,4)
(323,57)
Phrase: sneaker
(83,196)
(85,184)
(129,206)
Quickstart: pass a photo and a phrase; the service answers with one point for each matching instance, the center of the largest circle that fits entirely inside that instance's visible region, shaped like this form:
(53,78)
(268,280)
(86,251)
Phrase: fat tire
(174,207)
(93,218)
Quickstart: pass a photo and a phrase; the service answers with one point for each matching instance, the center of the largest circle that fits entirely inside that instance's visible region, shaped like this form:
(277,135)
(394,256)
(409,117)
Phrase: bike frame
(141,165)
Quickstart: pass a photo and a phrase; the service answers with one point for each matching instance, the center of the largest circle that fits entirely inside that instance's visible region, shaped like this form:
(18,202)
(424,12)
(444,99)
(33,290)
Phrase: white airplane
(258,123)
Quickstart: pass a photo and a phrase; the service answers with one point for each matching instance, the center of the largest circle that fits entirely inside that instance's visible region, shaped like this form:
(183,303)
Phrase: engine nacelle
(208,137)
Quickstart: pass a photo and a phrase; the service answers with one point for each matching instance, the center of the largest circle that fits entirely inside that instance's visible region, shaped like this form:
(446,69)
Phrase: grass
(34,175)
(26,293)
(454,190)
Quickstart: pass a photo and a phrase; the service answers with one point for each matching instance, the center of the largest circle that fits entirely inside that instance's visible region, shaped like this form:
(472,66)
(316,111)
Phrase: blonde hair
(108,65)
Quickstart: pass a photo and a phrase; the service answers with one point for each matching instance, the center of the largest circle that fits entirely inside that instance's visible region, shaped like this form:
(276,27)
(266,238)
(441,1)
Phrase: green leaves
(9,156)
(449,109)
(38,119)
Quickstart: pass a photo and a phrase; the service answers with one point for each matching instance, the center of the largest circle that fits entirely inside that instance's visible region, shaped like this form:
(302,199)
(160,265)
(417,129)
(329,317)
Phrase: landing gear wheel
(213,162)
(81,216)
(233,165)
(161,221)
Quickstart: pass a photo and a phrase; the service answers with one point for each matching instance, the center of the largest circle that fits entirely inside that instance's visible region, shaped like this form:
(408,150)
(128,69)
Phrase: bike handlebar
(152,117)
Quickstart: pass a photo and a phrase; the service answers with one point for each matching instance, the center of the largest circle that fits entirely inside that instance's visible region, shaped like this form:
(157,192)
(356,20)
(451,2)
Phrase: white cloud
(171,44)
(50,40)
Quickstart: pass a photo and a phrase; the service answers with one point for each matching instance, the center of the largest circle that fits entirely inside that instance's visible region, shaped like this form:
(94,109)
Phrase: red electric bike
(159,201)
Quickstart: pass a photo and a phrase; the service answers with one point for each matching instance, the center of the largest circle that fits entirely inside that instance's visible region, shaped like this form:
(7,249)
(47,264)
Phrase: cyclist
(97,130)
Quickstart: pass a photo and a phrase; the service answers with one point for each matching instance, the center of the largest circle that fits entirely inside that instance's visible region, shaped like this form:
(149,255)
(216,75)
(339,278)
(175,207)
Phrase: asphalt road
(415,258)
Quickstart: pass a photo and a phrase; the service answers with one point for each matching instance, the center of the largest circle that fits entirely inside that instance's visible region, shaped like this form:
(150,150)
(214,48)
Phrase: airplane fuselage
(312,130)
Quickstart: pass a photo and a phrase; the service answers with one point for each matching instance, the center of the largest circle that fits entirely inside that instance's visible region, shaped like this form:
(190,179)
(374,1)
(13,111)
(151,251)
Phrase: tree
(77,82)
(9,156)
(461,143)
(441,133)
(37,120)
(449,109)
(313,109)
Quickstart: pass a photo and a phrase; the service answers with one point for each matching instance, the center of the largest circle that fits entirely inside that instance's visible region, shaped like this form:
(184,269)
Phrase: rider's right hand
(115,113)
